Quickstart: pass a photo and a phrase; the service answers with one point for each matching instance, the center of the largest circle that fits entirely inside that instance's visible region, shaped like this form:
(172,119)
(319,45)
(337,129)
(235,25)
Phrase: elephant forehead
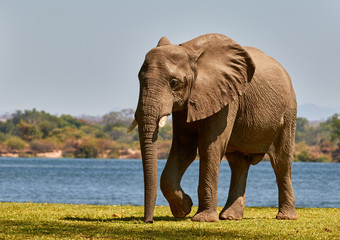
(167,54)
(161,62)
(163,71)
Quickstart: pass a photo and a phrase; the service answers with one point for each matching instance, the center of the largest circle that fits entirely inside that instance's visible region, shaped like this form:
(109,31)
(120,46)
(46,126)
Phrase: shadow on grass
(78,230)
(253,218)
(156,219)
(125,219)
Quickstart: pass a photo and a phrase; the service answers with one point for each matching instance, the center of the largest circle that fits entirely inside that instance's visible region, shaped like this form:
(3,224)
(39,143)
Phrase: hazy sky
(82,57)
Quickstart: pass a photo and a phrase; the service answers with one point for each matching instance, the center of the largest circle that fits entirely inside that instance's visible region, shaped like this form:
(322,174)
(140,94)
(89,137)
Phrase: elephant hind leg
(281,157)
(234,207)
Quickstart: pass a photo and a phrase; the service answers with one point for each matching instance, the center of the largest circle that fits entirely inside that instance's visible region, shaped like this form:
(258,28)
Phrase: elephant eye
(174,83)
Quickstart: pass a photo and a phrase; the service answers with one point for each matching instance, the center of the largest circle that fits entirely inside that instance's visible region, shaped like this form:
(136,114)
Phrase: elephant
(226,101)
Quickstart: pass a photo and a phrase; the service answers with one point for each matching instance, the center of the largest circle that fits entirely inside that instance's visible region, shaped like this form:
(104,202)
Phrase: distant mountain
(316,113)
(4,116)
(90,118)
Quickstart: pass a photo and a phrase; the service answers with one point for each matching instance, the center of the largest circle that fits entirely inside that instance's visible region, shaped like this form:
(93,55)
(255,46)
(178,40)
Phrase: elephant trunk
(148,133)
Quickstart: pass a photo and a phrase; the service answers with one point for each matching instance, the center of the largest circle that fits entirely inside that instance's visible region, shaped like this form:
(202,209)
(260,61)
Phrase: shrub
(336,154)
(3,137)
(15,143)
(301,146)
(40,145)
(322,159)
(87,150)
(70,147)
(327,146)
(304,156)
(105,144)
(118,149)
(114,154)
(3,148)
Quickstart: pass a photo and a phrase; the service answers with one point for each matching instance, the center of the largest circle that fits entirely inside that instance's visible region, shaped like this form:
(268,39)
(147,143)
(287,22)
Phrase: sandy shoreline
(123,154)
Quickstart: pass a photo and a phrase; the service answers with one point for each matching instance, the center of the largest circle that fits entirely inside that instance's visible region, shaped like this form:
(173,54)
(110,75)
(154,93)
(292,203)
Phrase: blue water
(112,182)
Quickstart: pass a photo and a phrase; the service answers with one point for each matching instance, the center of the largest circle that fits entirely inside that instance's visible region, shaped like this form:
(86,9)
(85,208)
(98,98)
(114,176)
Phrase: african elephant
(222,105)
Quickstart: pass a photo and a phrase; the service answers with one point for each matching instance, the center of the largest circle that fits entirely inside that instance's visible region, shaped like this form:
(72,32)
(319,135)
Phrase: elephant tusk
(132,126)
(162,122)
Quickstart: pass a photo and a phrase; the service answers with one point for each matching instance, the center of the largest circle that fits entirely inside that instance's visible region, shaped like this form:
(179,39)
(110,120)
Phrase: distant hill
(315,113)
(90,118)
(4,116)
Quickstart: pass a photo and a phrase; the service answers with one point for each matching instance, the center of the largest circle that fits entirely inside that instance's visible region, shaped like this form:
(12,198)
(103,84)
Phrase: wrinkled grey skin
(222,105)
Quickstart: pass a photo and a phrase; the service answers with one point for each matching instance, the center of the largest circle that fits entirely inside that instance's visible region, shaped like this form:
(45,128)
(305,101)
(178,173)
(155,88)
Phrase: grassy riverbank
(62,221)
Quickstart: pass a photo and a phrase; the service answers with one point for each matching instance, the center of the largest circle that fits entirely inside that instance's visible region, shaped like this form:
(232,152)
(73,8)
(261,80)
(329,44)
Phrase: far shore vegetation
(33,133)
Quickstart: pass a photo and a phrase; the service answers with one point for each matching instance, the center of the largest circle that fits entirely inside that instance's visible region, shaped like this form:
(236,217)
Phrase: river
(114,182)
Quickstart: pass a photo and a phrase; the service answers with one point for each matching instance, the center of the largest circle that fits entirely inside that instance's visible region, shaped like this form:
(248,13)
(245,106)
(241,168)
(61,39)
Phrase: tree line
(29,133)
(318,142)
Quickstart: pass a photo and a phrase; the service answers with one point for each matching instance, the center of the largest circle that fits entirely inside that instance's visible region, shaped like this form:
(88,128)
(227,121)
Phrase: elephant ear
(223,72)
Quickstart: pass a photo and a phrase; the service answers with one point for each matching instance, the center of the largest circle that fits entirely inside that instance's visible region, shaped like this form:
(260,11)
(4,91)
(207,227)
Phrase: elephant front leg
(213,139)
(183,152)
(180,203)
(207,187)
(235,204)
(207,191)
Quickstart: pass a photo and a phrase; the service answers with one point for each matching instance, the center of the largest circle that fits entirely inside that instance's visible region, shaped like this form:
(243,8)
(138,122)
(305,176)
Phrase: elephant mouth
(161,123)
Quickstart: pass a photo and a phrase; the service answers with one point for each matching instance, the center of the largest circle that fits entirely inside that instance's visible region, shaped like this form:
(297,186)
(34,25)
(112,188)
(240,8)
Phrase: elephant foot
(231,214)
(287,215)
(205,216)
(181,207)
(234,211)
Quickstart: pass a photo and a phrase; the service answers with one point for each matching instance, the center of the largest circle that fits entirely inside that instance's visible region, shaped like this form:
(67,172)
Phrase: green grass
(63,221)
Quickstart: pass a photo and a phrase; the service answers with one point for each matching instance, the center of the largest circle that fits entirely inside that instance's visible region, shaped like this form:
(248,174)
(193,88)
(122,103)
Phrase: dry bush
(42,146)
(70,147)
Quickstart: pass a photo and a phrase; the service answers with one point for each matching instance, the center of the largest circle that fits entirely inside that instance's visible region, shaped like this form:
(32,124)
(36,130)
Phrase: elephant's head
(200,77)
